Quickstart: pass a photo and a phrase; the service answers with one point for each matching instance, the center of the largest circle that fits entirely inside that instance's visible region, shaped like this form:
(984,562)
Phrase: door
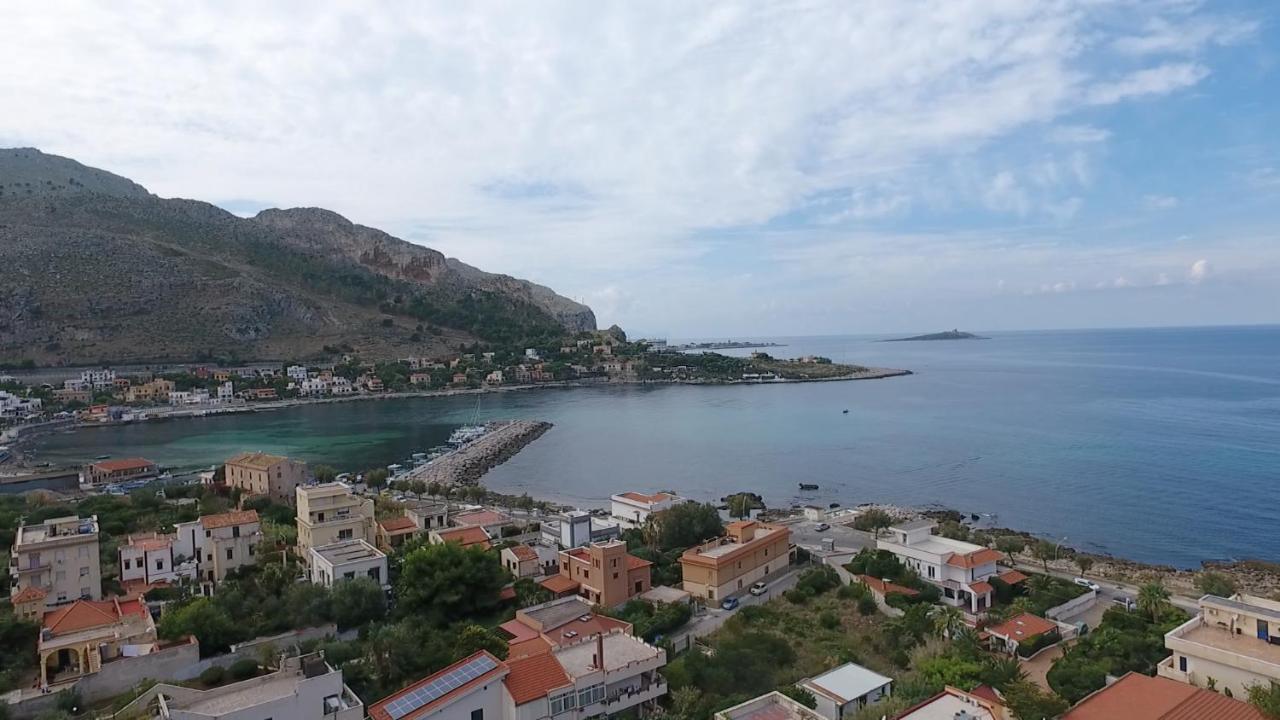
(1264,633)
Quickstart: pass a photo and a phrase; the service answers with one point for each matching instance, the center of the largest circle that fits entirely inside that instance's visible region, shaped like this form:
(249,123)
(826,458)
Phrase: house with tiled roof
(521,561)
(1139,697)
(225,541)
(491,520)
(469,536)
(105,472)
(394,532)
(76,639)
(749,552)
(606,573)
(960,570)
(1023,631)
(632,509)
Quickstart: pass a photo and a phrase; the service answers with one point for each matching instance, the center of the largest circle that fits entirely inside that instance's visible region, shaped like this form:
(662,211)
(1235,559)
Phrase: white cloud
(1159,202)
(1149,81)
(1198,272)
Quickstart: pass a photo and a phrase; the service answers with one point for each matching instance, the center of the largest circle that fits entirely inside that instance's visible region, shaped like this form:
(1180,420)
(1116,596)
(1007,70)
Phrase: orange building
(749,552)
(605,573)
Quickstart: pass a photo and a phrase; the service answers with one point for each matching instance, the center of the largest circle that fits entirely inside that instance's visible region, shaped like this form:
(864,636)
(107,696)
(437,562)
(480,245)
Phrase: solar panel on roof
(439,687)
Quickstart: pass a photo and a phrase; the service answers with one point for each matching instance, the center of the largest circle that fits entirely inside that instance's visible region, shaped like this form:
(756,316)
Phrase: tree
(800,695)
(1010,544)
(1215,583)
(1085,563)
(475,638)
(947,620)
(376,478)
(874,520)
(434,488)
(209,623)
(1002,671)
(1266,698)
(445,583)
(1153,598)
(356,602)
(1044,551)
(1028,702)
(687,524)
(324,473)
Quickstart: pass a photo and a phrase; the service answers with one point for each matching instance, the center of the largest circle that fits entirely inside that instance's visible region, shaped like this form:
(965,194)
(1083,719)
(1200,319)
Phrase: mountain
(98,269)
(948,335)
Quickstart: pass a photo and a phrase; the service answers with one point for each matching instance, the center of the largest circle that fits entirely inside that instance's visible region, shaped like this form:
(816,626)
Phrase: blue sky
(717,170)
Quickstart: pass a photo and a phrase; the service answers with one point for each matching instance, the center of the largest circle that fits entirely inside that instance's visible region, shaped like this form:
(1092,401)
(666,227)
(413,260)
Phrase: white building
(1232,643)
(631,509)
(15,407)
(198,396)
(843,691)
(304,688)
(150,558)
(296,373)
(347,560)
(959,569)
(313,386)
(98,379)
(577,528)
(226,392)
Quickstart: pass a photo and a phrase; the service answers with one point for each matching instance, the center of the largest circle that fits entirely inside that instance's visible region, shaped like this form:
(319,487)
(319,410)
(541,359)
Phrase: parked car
(822,527)
(759,589)
(1085,582)
(730,603)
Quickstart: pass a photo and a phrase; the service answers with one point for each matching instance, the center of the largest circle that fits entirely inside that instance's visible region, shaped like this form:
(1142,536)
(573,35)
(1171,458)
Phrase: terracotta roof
(257,460)
(378,711)
(465,536)
(150,541)
(975,558)
(480,517)
(507,593)
(635,563)
(648,499)
(518,631)
(533,676)
(884,587)
(398,524)
(988,693)
(535,645)
(981,587)
(1139,697)
(31,594)
(227,519)
(523,552)
(123,464)
(1022,627)
(80,615)
(559,584)
(1011,577)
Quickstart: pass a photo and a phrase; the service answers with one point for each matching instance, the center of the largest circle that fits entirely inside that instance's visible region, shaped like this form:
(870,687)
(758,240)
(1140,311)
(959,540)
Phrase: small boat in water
(103,457)
(846,412)
(808,486)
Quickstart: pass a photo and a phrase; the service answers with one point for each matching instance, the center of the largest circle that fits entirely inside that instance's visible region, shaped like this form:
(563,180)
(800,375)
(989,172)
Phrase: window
(250,551)
(208,533)
(210,559)
(615,576)
(126,564)
(319,517)
(345,534)
(235,531)
(563,702)
(84,592)
(159,564)
(84,572)
(930,571)
(84,551)
(477,714)
(1182,663)
(375,573)
(231,553)
(590,696)
(349,575)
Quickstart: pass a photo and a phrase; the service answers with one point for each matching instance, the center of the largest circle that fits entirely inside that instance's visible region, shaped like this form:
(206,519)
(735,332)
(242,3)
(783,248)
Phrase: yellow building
(749,552)
(330,513)
(257,473)
(59,558)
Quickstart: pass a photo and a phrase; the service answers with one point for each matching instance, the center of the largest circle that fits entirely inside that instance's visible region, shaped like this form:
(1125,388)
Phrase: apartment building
(1232,643)
(632,509)
(304,688)
(749,552)
(605,573)
(230,541)
(330,513)
(105,472)
(960,570)
(257,473)
(59,558)
(149,558)
(347,560)
(155,391)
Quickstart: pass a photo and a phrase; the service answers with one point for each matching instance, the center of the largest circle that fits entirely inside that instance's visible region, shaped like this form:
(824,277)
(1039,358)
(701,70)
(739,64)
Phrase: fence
(1072,606)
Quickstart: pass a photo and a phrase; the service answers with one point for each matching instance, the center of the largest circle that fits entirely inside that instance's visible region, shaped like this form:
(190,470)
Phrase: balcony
(628,698)
(1166,669)
(1243,652)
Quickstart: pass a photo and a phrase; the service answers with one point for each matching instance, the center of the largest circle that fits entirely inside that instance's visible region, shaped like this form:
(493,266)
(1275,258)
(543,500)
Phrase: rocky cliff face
(99,269)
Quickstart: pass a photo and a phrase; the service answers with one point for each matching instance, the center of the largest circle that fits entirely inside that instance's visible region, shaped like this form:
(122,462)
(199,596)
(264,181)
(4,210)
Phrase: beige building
(156,391)
(76,639)
(230,541)
(1233,643)
(605,573)
(330,513)
(58,557)
(258,473)
(749,552)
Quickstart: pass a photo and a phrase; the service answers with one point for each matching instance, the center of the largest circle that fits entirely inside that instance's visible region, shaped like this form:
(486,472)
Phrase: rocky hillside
(98,269)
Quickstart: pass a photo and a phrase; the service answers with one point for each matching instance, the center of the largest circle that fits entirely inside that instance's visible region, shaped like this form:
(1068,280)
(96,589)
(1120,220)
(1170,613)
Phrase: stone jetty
(467,464)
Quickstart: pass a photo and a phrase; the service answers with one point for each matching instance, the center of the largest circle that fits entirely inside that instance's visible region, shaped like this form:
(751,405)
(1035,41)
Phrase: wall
(1072,606)
(123,674)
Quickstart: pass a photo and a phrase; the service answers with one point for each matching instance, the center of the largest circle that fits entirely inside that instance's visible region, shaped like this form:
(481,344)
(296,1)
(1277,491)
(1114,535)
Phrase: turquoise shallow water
(1162,445)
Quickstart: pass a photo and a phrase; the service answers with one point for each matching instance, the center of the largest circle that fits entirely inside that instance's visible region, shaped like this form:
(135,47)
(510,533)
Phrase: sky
(717,169)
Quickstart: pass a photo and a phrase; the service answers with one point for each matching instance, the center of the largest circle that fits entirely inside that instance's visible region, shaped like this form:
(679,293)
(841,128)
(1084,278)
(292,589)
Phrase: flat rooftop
(938,545)
(551,615)
(773,706)
(1261,607)
(1222,639)
(619,650)
(57,529)
(234,698)
(717,551)
(348,551)
(947,707)
(912,525)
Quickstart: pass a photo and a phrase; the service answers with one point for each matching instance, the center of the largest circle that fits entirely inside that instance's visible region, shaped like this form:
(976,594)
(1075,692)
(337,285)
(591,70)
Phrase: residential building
(606,574)
(70,395)
(633,509)
(770,706)
(394,532)
(493,378)
(419,378)
(558,622)
(296,373)
(98,379)
(981,703)
(843,691)
(1140,697)
(14,407)
(155,391)
(257,473)
(304,688)
(960,570)
(578,527)
(76,639)
(105,472)
(198,396)
(469,536)
(521,561)
(428,515)
(492,522)
(329,513)
(149,559)
(1232,643)
(347,560)
(750,551)
(59,557)
(226,392)
(1023,629)
(230,541)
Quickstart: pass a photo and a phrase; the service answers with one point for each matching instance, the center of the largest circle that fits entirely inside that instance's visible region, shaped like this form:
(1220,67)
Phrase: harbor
(473,450)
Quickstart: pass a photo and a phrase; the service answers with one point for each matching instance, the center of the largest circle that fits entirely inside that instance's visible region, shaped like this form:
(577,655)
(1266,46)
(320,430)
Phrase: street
(710,619)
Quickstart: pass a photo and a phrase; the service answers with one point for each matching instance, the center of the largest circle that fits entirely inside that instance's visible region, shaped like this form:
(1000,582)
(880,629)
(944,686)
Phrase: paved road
(1112,590)
(710,619)
(805,533)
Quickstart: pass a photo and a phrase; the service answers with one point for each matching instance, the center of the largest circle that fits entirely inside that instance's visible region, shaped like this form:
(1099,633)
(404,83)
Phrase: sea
(1159,445)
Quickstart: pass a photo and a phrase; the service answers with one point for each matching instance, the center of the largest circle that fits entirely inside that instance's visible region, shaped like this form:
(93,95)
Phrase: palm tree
(1002,671)
(1040,583)
(1084,562)
(1153,597)
(947,620)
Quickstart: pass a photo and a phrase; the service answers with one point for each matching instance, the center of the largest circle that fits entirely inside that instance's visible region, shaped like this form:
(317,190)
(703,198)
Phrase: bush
(853,591)
(243,669)
(212,676)
(867,605)
(818,580)
(798,595)
(829,620)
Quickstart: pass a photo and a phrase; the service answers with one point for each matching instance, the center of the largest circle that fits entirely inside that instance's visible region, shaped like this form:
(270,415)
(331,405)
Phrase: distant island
(948,335)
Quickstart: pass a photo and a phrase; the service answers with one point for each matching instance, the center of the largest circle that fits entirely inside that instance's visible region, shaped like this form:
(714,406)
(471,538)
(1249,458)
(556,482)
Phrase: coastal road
(1110,591)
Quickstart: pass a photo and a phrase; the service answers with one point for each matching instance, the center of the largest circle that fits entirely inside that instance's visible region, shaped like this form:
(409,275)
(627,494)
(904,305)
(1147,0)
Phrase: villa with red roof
(605,573)
(960,570)
(1021,629)
(469,536)
(394,532)
(104,472)
(76,639)
(632,508)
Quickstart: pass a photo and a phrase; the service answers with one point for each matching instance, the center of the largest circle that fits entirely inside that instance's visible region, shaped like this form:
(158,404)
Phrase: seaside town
(269,587)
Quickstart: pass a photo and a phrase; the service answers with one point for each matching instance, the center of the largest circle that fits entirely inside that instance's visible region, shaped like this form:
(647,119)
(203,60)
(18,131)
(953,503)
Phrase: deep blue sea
(1161,445)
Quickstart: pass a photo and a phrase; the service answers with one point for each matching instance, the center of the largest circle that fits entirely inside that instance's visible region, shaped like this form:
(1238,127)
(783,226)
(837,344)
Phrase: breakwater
(467,464)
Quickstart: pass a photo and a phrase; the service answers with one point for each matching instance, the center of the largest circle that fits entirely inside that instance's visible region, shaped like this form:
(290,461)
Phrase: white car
(759,589)
(1085,582)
